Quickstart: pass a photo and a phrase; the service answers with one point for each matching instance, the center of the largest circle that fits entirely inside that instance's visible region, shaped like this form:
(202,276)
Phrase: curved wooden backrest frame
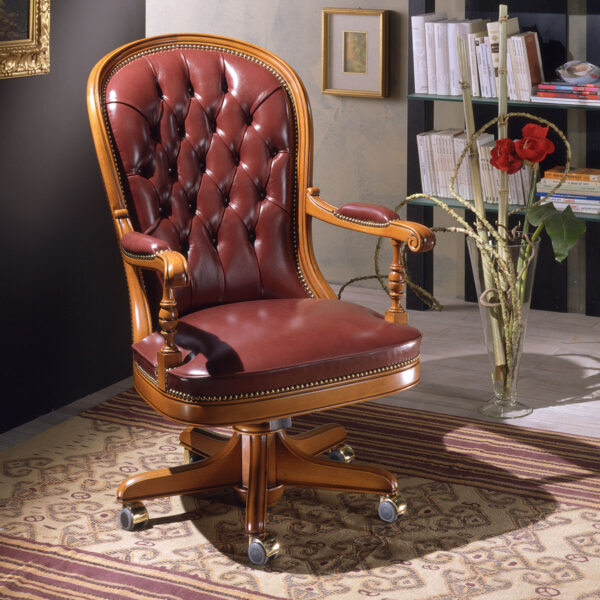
(109,165)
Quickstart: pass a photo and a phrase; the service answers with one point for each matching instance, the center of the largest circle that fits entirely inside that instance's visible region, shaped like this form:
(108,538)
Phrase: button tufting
(181,132)
(173,171)
(226,200)
(163,210)
(262,195)
(159,91)
(212,125)
(274,152)
(236,160)
(190,88)
(215,241)
(202,166)
(252,237)
(249,120)
(224,86)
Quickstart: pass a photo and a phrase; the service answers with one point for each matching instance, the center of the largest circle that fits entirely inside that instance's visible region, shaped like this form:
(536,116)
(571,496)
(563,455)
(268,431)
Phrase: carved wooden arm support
(382,222)
(147,252)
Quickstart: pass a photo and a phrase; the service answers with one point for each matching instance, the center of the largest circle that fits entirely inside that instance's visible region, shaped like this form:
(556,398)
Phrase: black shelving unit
(550,19)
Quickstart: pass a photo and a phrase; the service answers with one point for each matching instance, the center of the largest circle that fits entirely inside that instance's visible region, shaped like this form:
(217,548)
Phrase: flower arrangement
(506,258)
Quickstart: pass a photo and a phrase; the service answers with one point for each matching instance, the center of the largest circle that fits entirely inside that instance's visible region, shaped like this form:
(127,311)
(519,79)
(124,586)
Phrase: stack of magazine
(567,93)
(439,152)
(580,191)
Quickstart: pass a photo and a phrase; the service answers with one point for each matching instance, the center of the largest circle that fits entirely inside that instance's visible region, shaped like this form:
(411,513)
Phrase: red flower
(534,146)
(504,156)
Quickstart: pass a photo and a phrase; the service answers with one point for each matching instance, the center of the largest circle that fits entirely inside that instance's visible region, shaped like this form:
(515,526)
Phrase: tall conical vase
(504,330)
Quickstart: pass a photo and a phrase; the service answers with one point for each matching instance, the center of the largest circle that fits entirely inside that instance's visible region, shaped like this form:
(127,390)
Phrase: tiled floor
(560,370)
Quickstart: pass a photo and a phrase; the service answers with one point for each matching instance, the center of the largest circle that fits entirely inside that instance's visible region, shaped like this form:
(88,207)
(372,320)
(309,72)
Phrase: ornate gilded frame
(30,55)
(373,86)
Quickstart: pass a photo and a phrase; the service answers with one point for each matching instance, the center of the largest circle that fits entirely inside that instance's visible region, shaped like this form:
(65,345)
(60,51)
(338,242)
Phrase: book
(575,101)
(579,174)
(443,158)
(580,95)
(454,88)
(570,184)
(428,180)
(560,194)
(493,29)
(431,58)
(465,29)
(420,50)
(568,87)
(442,63)
(529,71)
(574,206)
(490,68)
(484,83)
(473,68)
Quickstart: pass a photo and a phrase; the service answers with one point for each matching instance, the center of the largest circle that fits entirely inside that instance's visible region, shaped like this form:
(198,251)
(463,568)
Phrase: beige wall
(360,143)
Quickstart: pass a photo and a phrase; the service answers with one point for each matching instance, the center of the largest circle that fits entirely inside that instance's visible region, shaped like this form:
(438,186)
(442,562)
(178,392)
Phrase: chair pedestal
(258,462)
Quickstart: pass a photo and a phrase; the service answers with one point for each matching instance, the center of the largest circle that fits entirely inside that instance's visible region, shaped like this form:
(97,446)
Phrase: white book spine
(472,52)
(431,58)
(442,79)
(490,67)
(481,67)
(522,68)
(510,78)
(422,162)
(453,64)
(431,180)
(419,53)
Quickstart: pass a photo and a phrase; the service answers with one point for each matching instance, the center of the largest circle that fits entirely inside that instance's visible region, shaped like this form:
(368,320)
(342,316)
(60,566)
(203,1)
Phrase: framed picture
(24,37)
(355,52)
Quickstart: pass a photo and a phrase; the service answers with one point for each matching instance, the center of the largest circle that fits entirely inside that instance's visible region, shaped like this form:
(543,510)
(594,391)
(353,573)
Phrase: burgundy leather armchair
(205,147)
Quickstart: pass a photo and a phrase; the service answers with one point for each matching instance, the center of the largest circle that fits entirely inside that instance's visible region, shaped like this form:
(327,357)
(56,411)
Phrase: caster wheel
(133,516)
(342,453)
(261,550)
(391,507)
(190,457)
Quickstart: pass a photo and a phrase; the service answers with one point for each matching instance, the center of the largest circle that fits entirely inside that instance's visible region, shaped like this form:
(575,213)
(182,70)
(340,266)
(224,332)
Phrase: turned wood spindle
(169,355)
(396,280)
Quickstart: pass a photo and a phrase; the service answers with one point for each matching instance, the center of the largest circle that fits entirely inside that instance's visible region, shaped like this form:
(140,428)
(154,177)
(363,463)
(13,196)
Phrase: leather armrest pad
(137,243)
(367,212)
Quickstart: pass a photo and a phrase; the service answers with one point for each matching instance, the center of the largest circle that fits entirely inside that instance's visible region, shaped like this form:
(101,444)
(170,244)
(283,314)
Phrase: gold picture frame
(24,38)
(355,52)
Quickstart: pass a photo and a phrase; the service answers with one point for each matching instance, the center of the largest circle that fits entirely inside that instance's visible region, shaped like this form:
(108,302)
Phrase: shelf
(493,207)
(494,101)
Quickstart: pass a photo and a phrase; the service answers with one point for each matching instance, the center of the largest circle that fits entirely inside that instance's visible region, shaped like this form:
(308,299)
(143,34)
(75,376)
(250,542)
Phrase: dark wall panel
(64,303)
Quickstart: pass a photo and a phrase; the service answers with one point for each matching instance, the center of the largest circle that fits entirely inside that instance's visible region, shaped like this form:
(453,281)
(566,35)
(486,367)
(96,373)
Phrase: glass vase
(504,331)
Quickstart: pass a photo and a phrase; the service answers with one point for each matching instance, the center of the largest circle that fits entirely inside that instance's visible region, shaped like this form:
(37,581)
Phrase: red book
(568,87)
(582,96)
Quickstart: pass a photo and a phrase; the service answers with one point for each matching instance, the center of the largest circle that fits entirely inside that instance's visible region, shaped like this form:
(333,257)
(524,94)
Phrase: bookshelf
(550,19)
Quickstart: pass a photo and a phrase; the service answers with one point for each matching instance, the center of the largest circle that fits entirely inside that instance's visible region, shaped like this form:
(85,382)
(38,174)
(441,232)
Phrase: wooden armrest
(371,219)
(147,252)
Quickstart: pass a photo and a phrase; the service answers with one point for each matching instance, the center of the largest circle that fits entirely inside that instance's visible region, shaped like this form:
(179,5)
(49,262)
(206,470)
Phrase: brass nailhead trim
(292,388)
(360,221)
(283,83)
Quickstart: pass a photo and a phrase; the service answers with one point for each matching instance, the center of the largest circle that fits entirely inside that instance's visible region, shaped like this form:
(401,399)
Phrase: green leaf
(564,229)
(540,213)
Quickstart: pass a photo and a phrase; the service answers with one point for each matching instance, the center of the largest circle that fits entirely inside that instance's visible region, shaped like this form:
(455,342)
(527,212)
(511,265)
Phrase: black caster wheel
(190,457)
(133,516)
(391,507)
(261,550)
(342,453)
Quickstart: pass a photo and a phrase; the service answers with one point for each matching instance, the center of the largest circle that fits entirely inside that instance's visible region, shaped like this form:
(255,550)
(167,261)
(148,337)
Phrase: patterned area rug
(496,512)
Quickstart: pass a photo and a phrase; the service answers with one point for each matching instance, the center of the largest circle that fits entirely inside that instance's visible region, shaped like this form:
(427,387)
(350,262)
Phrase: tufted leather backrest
(205,142)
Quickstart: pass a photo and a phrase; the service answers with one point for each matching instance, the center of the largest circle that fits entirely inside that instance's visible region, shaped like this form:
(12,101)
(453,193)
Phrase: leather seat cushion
(262,345)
